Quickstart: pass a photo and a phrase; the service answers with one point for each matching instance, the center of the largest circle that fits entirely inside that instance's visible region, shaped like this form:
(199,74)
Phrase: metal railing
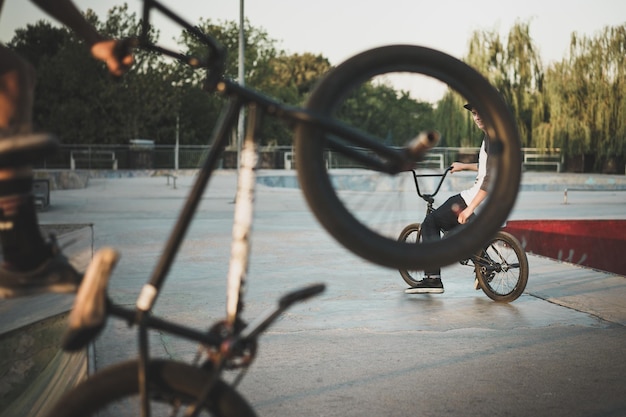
(167,157)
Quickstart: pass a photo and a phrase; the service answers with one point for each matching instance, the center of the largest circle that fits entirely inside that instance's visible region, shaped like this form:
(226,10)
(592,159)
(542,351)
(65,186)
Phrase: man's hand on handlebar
(460,166)
(116,54)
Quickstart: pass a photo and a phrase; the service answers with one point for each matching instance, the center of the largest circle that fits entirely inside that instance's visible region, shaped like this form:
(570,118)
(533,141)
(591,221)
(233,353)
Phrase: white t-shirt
(469,194)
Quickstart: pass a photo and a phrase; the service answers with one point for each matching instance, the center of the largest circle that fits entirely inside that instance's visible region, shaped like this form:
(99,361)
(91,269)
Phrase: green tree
(586,98)
(515,70)
(286,78)
(383,111)
(578,104)
(454,123)
(259,51)
(295,74)
(144,102)
(289,79)
(75,96)
(39,41)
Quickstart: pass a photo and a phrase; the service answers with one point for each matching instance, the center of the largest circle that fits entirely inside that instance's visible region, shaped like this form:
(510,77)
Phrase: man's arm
(460,166)
(465,214)
(67,13)
(101,48)
(482,192)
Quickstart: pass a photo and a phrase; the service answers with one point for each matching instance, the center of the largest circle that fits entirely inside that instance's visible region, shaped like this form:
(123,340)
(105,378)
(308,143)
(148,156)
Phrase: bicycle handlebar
(429,197)
(216,61)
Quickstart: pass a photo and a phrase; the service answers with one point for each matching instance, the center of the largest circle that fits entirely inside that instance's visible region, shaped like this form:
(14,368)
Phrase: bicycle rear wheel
(363,208)
(114,392)
(502,268)
(411,234)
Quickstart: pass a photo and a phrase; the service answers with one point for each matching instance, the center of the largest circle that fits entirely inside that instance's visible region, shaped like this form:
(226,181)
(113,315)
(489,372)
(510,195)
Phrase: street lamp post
(241,80)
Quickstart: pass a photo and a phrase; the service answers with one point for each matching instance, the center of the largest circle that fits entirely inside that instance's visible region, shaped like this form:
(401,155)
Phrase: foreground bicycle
(355,214)
(500,267)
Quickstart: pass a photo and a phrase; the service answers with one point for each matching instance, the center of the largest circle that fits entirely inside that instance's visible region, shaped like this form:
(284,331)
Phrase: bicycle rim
(502,268)
(114,392)
(364,209)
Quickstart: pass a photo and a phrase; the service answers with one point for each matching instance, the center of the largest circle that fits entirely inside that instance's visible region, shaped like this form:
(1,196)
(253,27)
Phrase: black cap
(468,106)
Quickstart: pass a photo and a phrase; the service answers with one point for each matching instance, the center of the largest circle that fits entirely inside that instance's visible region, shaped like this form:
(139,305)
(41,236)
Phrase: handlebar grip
(124,46)
(122,49)
(418,147)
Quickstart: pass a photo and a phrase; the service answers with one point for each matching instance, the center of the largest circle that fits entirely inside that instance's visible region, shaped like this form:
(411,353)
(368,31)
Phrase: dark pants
(443,218)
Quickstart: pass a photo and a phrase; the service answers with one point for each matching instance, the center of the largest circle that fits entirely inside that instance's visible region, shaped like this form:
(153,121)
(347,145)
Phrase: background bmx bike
(500,267)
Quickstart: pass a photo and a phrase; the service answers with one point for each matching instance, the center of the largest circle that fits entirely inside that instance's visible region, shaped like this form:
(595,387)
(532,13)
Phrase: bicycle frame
(229,344)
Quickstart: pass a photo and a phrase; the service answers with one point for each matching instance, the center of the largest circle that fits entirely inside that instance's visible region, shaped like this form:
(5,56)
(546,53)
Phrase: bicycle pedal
(301,295)
(88,315)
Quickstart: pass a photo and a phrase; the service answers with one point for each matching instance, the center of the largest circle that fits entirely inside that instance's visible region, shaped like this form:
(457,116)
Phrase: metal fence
(169,157)
(113,157)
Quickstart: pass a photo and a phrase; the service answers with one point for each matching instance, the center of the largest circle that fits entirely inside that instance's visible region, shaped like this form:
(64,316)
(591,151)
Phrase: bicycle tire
(503,283)
(411,234)
(169,381)
(342,222)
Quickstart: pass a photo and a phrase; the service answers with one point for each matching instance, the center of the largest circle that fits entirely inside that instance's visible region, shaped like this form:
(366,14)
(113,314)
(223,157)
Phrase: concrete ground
(364,348)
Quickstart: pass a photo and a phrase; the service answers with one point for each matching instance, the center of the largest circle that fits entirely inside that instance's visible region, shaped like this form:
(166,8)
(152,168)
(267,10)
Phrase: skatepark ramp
(35,371)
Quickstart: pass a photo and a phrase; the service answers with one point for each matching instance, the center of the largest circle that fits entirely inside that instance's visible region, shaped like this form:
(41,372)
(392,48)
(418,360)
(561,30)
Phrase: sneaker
(426,286)
(55,275)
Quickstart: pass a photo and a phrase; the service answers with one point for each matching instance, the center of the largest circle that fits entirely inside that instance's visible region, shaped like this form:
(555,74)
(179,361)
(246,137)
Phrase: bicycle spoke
(503,268)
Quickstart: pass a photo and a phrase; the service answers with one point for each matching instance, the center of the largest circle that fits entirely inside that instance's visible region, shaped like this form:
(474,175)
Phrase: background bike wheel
(365,209)
(506,279)
(114,392)
(411,234)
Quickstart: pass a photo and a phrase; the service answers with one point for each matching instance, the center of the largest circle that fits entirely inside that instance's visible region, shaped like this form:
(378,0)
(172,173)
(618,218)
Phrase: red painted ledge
(598,244)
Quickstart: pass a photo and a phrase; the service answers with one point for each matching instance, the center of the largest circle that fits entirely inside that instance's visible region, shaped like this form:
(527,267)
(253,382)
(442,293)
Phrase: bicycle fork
(242,223)
(238,268)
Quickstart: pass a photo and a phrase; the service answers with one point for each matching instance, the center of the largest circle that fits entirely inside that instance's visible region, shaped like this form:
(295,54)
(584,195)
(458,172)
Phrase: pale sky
(338,29)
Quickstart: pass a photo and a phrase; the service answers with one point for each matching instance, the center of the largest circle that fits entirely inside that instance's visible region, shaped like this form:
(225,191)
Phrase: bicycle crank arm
(259,325)
(89,312)
(300,295)
(507,267)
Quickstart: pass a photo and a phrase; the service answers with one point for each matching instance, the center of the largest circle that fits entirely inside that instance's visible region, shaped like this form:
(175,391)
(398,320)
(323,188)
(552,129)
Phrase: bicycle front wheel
(502,268)
(358,201)
(411,234)
(114,391)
